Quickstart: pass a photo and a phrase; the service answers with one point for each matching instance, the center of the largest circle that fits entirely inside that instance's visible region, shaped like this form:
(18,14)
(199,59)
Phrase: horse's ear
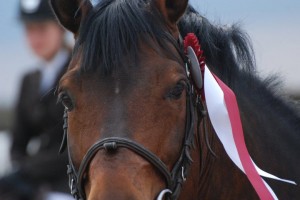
(172,10)
(71,12)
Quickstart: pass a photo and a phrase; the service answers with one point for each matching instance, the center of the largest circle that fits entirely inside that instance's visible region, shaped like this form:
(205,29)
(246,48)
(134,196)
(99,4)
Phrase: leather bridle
(174,178)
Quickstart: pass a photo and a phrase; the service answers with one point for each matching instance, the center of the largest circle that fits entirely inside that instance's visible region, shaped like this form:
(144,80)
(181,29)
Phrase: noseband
(174,178)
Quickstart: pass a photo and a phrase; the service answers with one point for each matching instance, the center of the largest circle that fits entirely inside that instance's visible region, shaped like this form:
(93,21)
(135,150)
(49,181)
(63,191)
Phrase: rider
(37,130)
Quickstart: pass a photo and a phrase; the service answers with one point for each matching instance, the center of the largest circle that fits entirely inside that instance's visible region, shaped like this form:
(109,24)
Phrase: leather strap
(122,143)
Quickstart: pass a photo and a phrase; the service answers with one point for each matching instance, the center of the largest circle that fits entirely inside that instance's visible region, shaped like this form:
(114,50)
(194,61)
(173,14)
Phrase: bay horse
(133,127)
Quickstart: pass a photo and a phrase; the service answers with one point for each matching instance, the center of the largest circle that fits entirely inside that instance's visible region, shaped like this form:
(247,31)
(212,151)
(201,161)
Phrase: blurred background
(273,25)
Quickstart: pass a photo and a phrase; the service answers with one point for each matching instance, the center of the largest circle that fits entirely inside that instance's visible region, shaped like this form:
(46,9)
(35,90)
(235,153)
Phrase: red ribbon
(238,135)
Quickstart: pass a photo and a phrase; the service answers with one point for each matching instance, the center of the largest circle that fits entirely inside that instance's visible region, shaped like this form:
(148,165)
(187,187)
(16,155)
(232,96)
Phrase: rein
(174,178)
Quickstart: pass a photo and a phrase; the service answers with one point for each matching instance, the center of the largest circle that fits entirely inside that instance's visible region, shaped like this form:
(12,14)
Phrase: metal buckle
(72,182)
(162,194)
(187,69)
(183,174)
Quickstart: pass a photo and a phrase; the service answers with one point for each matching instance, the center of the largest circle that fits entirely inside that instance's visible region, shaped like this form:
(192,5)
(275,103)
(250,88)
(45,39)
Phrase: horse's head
(127,95)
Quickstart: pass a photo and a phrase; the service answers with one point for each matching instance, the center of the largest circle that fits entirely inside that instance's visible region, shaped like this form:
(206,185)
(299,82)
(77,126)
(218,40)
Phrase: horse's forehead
(148,62)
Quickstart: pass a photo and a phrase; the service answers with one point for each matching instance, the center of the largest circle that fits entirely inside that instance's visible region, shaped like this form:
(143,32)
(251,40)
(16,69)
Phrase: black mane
(222,45)
(114,29)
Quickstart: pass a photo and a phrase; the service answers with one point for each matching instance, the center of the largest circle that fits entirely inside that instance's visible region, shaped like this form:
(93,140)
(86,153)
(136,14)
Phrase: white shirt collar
(50,70)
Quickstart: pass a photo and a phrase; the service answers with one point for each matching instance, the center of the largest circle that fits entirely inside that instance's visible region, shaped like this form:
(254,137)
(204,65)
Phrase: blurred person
(37,131)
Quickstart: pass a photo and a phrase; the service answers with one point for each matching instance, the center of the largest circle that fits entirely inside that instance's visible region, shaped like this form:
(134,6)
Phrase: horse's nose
(120,174)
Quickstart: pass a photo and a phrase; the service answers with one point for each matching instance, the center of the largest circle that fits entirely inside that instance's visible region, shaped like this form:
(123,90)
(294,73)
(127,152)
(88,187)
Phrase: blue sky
(273,25)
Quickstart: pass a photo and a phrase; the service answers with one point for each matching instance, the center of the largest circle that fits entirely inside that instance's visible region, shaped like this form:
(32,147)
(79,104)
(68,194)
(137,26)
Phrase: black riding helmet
(35,10)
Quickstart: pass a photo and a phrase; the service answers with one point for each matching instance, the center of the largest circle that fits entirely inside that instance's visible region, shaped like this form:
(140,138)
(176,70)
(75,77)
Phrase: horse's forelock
(114,29)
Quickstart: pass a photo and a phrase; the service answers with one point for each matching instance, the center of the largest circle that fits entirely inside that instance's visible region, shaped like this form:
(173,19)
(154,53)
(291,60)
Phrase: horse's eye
(176,92)
(66,101)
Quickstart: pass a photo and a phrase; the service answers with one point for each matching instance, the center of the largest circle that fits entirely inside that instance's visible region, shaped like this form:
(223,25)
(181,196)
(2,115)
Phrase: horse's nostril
(110,146)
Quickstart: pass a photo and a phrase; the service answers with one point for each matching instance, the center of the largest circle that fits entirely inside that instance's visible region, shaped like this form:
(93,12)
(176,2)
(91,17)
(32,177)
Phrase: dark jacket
(39,116)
